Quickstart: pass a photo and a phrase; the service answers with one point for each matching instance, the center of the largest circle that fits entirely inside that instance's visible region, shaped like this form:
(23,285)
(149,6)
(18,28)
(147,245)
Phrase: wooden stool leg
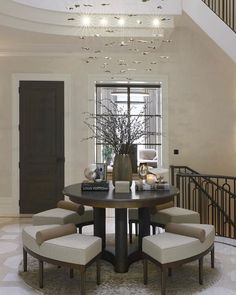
(130,232)
(145,271)
(24,260)
(163,281)
(201,271)
(82,279)
(40,274)
(98,267)
(213,257)
(80,229)
(153,229)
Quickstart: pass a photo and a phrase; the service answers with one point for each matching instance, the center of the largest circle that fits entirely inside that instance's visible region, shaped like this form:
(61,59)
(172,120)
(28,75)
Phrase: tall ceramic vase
(122,168)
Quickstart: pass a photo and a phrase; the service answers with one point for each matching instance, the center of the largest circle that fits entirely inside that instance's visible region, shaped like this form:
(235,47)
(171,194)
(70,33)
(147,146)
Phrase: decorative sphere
(90,172)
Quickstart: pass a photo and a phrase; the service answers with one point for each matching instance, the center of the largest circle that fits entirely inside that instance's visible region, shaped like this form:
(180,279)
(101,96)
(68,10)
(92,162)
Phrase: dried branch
(115,127)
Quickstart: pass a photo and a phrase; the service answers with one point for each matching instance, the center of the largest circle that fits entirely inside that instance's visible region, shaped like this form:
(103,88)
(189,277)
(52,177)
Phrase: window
(132,98)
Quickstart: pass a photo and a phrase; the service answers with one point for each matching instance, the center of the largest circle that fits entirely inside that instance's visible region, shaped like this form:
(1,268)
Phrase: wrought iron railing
(213,196)
(225,9)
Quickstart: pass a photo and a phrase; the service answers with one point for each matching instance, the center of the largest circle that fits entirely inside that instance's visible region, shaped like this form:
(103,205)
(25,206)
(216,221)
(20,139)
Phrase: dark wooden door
(41,144)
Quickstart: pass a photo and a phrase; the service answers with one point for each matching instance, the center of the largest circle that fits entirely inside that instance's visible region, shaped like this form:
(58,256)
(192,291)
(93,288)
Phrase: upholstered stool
(72,250)
(163,216)
(169,250)
(175,215)
(64,216)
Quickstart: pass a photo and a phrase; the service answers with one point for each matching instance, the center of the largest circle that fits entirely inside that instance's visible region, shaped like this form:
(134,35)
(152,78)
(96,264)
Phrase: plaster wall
(202,102)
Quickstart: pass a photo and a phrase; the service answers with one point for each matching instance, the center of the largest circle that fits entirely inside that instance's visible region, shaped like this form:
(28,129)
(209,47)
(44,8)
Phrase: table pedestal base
(120,257)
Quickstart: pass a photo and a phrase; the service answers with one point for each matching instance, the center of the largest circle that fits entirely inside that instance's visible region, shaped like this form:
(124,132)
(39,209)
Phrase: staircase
(218,19)
(225,9)
(213,196)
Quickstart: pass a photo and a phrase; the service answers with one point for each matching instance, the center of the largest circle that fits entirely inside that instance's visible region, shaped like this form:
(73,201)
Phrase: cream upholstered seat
(148,156)
(164,216)
(176,215)
(73,250)
(168,250)
(168,247)
(64,216)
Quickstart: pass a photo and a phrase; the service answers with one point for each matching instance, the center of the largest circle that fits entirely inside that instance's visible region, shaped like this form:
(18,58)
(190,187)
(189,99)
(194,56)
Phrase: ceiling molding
(171,7)
(32,19)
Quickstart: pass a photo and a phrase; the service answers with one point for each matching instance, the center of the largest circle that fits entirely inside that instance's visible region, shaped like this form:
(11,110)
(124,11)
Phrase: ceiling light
(156,22)
(121,22)
(104,22)
(86,21)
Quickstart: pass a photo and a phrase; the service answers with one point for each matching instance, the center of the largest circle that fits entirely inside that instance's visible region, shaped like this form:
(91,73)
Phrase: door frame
(16,78)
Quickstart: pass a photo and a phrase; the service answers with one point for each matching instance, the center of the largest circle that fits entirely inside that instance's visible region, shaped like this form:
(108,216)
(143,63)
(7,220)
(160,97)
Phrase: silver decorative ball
(90,172)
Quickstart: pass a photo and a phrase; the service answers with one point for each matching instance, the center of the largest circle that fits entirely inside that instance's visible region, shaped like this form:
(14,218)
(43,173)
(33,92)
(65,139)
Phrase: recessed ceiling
(53,28)
(108,6)
(53,18)
(130,18)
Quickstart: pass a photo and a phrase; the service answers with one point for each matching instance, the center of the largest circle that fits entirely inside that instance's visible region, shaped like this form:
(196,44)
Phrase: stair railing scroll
(213,196)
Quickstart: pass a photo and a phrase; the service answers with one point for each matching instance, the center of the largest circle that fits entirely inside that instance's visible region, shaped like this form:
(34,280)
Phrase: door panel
(41,145)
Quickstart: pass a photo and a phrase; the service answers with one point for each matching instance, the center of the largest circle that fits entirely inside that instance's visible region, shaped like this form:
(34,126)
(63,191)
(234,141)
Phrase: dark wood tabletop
(111,199)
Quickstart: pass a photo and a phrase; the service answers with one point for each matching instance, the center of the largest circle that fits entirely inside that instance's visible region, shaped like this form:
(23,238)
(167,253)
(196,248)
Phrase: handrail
(208,176)
(213,196)
(214,203)
(225,10)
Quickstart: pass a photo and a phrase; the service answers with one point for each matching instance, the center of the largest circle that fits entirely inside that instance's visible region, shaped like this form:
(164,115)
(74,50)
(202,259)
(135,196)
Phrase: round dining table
(121,256)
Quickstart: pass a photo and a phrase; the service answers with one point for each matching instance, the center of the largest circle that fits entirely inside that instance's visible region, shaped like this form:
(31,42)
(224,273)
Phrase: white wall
(202,102)
(201,112)
(212,25)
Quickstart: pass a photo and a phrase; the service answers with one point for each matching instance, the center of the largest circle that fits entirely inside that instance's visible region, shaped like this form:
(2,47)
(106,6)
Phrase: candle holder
(143,170)
(151,179)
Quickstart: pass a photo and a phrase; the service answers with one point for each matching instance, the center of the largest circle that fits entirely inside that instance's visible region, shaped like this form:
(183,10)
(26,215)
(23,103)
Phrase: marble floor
(11,255)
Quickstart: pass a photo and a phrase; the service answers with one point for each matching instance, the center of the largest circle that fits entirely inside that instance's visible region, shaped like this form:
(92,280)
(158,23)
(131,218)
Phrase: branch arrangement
(116,127)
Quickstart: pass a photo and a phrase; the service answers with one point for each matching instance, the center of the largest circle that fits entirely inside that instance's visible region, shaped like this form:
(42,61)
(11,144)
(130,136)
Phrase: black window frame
(129,86)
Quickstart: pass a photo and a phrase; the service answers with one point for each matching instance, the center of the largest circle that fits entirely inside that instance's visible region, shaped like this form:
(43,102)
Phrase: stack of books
(140,186)
(95,186)
(162,186)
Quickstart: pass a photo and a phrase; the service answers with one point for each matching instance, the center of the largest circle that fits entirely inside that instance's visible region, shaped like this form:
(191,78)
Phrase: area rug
(184,279)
